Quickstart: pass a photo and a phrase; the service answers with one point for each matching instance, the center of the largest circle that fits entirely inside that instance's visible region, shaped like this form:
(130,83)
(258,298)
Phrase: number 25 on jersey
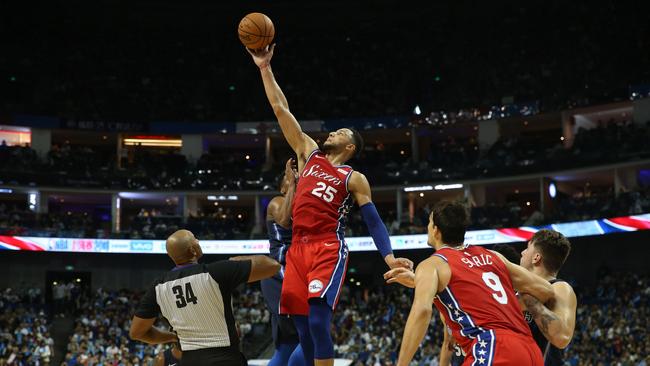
(324,191)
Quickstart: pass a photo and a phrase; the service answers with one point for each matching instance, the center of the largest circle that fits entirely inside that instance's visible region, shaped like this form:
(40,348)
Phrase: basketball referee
(196,300)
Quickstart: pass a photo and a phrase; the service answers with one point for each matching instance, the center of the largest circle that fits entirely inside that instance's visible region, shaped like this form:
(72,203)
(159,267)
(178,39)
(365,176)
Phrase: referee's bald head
(183,247)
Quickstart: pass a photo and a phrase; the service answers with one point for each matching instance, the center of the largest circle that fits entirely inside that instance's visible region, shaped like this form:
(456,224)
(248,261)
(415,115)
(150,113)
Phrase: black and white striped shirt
(196,300)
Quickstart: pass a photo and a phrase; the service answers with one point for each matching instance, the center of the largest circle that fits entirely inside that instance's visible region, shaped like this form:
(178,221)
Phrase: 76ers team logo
(315,286)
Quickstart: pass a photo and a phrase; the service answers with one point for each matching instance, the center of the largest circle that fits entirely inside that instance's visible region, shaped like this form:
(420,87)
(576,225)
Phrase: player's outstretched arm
(299,141)
(558,324)
(527,282)
(262,266)
(426,286)
(360,188)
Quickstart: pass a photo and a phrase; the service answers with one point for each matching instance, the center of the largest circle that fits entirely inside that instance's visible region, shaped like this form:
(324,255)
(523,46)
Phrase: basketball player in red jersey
(317,259)
(472,287)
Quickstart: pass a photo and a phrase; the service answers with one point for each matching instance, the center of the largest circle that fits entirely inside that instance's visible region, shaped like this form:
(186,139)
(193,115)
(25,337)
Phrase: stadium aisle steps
(62,329)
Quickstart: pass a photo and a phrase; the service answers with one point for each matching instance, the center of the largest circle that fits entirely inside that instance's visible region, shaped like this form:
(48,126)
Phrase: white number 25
(328,195)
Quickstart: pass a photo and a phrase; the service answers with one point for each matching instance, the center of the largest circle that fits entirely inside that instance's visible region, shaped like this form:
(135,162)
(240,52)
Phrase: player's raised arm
(279,209)
(527,282)
(426,287)
(360,188)
(284,211)
(299,141)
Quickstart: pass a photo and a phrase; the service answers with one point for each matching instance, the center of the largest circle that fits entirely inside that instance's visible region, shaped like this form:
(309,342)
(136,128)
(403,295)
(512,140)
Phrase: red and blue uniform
(481,309)
(318,257)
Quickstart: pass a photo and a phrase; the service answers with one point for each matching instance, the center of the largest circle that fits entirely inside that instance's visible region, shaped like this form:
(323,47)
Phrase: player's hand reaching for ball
(262,57)
(401,275)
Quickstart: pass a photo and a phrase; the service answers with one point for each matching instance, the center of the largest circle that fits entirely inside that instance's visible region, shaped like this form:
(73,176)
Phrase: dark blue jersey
(280,241)
(457,356)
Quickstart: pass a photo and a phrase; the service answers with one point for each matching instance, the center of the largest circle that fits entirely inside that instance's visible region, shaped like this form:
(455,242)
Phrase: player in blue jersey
(552,324)
(278,225)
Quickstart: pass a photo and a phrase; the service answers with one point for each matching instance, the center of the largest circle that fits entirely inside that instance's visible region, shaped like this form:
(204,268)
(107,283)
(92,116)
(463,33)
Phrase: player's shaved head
(183,247)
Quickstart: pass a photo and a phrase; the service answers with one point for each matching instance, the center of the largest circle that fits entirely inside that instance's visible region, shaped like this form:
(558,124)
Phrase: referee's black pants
(225,356)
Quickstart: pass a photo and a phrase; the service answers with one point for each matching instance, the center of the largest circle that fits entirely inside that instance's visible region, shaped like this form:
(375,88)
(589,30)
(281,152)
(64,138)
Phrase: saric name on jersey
(316,173)
(477,260)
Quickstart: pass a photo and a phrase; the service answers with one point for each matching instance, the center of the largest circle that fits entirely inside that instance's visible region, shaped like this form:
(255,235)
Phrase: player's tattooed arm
(557,320)
(543,317)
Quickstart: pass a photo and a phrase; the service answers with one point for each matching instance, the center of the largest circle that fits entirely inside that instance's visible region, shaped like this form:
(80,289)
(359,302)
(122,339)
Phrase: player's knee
(320,317)
(318,324)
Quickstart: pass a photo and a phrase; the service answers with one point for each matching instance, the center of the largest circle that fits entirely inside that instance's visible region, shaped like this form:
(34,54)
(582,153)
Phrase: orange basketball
(256,31)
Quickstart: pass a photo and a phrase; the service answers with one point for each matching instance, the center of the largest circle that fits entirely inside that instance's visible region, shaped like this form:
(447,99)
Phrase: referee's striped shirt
(196,300)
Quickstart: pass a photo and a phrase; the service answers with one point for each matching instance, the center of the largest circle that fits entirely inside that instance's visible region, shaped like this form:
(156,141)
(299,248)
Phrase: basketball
(256,31)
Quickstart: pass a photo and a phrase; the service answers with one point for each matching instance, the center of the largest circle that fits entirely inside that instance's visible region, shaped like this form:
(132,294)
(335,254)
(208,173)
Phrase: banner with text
(261,246)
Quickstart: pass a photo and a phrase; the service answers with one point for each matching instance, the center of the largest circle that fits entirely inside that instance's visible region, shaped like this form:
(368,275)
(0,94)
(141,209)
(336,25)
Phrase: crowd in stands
(253,319)
(24,328)
(101,328)
(369,326)
(17,220)
(610,328)
(581,206)
(610,325)
(103,319)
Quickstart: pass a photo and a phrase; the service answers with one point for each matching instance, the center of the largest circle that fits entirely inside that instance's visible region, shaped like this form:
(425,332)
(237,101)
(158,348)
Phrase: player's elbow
(135,334)
(560,340)
(279,109)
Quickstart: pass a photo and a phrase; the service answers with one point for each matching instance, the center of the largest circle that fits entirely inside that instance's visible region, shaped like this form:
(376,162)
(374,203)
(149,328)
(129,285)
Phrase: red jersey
(479,297)
(322,199)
